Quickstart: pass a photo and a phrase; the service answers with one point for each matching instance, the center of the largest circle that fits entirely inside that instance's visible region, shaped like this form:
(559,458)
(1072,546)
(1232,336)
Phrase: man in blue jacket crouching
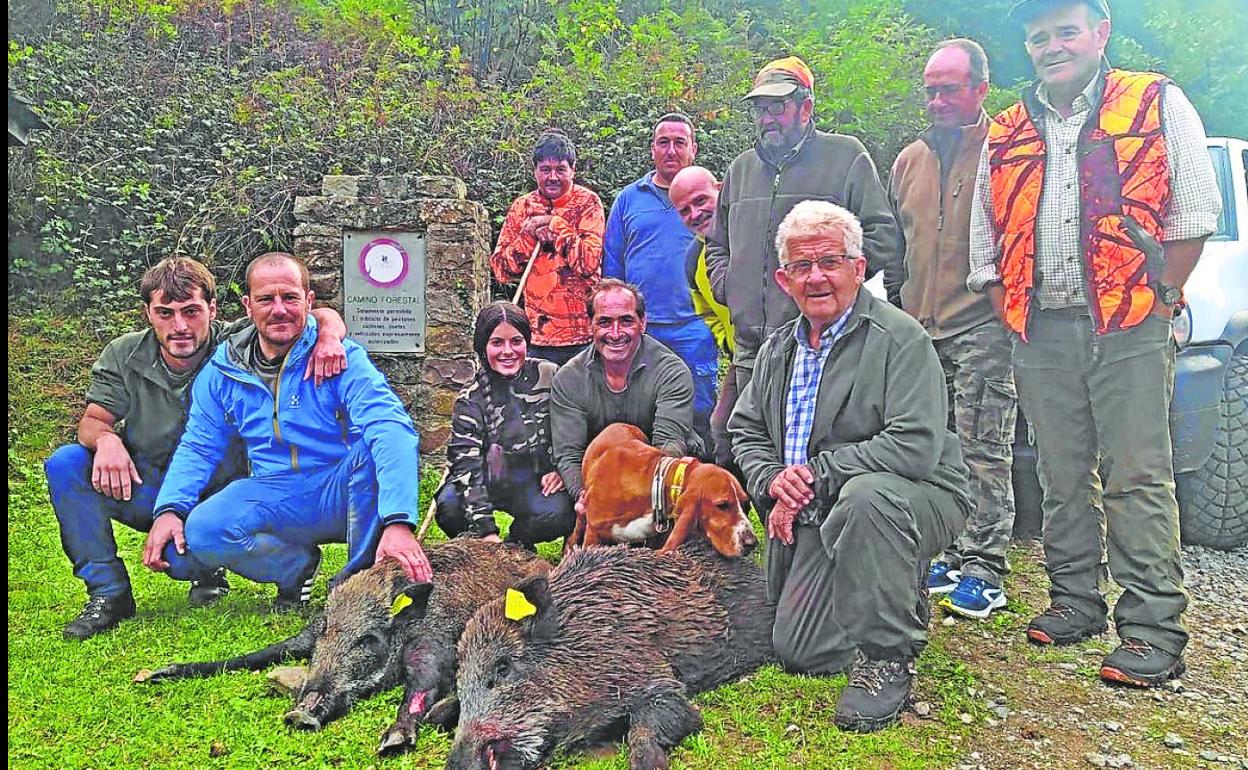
(328,464)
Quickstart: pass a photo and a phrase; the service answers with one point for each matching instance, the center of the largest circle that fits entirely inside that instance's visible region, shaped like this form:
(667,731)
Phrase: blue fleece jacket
(304,428)
(645,244)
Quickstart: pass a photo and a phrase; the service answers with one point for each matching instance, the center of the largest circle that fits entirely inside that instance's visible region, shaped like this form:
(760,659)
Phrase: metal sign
(383,287)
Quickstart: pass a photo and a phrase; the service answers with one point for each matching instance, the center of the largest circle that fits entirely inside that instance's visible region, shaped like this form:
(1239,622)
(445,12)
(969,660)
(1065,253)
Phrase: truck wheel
(1213,499)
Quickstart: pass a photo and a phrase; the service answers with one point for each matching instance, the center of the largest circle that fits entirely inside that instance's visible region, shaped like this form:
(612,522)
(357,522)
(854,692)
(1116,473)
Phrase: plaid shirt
(1194,200)
(799,412)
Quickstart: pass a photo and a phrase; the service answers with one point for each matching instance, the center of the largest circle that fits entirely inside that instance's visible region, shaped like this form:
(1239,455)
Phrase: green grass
(73,704)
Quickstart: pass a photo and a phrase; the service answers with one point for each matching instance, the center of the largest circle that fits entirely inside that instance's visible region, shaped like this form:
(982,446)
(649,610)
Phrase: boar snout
(310,714)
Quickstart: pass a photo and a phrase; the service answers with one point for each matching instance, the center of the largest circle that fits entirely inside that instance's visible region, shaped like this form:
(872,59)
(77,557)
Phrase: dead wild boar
(612,643)
(380,628)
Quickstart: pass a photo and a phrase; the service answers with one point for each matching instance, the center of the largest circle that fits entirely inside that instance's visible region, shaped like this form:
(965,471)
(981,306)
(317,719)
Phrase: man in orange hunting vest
(1094,196)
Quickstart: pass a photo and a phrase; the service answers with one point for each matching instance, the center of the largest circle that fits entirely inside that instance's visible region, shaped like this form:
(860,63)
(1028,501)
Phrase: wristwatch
(1168,295)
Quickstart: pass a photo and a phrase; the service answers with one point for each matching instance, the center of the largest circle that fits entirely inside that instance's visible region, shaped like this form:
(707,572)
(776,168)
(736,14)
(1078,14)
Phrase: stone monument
(404,259)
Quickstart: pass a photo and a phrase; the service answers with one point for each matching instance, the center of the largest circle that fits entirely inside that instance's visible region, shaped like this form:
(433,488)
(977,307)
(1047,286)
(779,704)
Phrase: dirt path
(1047,708)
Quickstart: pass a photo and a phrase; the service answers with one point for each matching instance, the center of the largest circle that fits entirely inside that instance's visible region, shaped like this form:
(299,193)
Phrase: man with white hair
(842,436)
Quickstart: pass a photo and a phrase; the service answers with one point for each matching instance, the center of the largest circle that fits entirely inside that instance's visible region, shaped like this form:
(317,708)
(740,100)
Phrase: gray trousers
(1088,395)
(856,581)
(983,408)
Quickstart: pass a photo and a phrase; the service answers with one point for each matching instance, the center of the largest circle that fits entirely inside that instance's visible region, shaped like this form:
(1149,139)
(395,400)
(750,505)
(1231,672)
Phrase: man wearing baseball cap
(1093,198)
(791,162)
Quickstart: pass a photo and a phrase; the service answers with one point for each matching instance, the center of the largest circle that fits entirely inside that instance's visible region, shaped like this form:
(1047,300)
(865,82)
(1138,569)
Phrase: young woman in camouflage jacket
(499,454)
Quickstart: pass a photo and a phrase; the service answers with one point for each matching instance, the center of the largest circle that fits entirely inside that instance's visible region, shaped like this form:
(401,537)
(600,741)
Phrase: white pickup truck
(1209,412)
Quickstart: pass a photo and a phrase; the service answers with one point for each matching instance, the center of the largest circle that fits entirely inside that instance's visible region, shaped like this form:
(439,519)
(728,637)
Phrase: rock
(1172,741)
(966,718)
(1112,727)
(1096,760)
(287,679)
(1001,711)
(1071,667)
(923,708)
(1121,760)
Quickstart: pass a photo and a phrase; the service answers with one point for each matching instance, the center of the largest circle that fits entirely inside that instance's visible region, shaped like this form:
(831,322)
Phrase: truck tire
(1213,499)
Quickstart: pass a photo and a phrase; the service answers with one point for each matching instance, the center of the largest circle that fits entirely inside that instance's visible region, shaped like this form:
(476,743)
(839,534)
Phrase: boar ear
(543,623)
(411,603)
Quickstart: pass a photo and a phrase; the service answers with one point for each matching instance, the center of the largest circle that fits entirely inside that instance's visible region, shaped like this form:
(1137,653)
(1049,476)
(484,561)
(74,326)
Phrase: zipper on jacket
(771,244)
(277,428)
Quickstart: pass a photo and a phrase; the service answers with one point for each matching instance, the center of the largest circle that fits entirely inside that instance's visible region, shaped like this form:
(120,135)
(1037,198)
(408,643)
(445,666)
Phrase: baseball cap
(781,77)
(1026,10)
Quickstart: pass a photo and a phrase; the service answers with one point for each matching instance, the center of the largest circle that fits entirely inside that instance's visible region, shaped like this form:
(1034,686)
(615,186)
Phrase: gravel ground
(1046,708)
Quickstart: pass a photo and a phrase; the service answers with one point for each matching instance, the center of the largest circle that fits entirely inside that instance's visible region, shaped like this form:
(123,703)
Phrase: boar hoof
(302,719)
(397,740)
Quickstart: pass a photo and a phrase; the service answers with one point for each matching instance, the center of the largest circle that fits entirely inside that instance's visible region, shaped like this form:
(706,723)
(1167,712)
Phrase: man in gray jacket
(841,434)
(790,162)
(624,376)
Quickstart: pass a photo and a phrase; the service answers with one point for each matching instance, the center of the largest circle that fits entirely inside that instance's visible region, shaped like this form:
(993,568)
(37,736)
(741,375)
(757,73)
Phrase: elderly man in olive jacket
(842,435)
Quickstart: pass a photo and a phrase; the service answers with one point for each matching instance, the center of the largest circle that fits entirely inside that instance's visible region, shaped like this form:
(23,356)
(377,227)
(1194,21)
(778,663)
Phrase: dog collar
(663,496)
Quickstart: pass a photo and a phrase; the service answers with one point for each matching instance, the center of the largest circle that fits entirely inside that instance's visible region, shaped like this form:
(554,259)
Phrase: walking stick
(524,277)
(433,506)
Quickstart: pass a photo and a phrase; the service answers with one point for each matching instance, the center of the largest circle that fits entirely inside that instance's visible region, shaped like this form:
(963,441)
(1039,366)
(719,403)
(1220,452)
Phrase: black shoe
(100,614)
(877,692)
(1062,625)
(296,596)
(1138,663)
(209,590)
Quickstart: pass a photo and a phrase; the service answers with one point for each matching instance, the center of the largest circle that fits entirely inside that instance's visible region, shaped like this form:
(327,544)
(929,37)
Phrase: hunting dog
(633,492)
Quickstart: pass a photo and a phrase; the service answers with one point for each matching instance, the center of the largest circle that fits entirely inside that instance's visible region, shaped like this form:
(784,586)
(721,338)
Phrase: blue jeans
(267,529)
(695,345)
(86,516)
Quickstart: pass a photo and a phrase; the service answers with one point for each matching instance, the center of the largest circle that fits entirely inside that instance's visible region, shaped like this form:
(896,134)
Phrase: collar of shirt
(801,333)
(1090,95)
(648,184)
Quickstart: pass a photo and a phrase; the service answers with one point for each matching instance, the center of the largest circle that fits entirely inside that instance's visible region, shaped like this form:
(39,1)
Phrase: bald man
(695,196)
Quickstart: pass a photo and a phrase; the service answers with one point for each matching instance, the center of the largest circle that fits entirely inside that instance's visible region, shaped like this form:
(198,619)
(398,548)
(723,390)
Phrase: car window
(1227,230)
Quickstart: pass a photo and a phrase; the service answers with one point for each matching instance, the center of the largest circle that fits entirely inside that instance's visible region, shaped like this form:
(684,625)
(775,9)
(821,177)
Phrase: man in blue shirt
(329,464)
(645,245)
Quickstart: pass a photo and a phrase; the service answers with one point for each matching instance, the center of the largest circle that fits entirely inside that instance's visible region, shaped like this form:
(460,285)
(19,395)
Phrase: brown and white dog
(625,477)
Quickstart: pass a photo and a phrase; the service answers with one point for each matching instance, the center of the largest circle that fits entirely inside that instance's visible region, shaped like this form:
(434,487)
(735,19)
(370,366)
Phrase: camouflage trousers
(983,407)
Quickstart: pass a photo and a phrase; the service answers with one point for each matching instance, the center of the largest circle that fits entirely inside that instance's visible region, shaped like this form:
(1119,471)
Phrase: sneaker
(1138,663)
(100,614)
(297,596)
(942,578)
(209,590)
(974,598)
(877,692)
(1060,624)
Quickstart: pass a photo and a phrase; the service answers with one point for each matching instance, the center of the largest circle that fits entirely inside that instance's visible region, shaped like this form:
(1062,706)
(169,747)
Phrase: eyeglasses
(758,107)
(800,268)
(931,92)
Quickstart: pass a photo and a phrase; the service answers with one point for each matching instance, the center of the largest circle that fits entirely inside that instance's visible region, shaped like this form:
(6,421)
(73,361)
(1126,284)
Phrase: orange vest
(1123,172)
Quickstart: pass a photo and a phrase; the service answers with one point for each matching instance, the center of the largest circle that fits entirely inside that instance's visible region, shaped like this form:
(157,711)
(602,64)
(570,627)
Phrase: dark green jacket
(756,197)
(658,399)
(881,409)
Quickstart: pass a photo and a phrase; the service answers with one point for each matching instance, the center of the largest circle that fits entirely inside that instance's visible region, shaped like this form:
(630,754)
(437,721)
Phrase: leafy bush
(189,126)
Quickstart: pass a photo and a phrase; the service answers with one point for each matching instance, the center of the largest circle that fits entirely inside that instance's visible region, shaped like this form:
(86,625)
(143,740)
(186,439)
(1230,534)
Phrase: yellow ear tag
(400,601)
(517,606)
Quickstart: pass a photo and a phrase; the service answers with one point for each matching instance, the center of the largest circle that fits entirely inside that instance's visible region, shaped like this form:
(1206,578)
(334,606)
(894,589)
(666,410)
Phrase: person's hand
(112,470)
(996,298)
(539,227)
(780,523)
(551,483)
(329,359)
(399,543)
(1162,310)
(166,527)
(792,487)
(492,538)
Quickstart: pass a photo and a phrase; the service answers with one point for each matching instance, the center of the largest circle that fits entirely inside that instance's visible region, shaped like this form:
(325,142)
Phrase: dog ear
(688,514)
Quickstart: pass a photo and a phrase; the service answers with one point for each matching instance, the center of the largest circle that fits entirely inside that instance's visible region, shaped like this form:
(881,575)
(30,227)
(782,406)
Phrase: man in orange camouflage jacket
(559,226)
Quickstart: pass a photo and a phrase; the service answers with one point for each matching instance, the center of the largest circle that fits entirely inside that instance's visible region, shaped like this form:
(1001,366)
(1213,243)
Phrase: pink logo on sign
(383,262)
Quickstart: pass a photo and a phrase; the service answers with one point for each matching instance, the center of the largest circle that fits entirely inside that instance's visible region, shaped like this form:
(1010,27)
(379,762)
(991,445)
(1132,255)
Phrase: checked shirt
(799,411)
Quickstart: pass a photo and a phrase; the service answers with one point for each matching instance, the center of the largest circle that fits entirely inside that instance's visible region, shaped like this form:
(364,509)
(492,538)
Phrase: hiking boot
(1138,663)
(296,596)
(877,692)
(942,578)
(1062,625)
(209,590)
(974,598)
(100,614)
